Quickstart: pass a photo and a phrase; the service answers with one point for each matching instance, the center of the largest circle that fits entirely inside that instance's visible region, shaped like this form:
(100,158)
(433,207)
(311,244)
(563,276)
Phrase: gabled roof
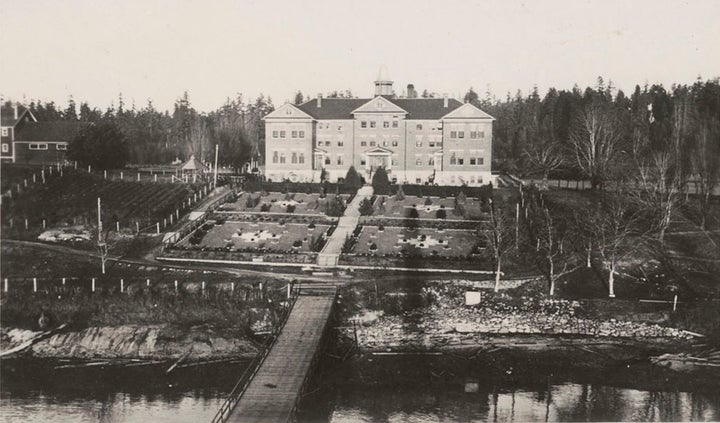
(49,131)
(7,115)
(380,104)
(332,108)
(378,150)
(468,111)
(416,108)
(288,111)
(193,164)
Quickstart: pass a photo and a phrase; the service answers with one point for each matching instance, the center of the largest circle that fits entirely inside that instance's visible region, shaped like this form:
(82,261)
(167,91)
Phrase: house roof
(7,115)
(193,164)
(342,108)
(49,131)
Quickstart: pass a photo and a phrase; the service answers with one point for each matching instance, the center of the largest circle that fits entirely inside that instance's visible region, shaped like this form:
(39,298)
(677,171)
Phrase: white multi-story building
(417,140)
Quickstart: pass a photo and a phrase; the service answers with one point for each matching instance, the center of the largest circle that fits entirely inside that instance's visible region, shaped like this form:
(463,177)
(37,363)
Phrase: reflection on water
(113,407)
(565,402)
(511,388)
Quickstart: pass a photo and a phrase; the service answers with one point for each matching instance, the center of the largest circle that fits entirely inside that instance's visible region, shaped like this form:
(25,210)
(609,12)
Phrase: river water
(374,389)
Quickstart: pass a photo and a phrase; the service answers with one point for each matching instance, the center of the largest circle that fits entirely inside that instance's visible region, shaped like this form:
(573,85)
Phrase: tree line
(150,136)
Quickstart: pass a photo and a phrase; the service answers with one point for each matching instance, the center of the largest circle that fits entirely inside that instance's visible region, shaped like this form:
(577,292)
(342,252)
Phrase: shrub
(265,207)
(412,213)
(428,201)
(290,208)
(366,207)
(311,226)
(399,195)
(335,207)
(250,202)
(441,214)
(381,228)
(297,244)
(380,181)
(373,247)
(352,179)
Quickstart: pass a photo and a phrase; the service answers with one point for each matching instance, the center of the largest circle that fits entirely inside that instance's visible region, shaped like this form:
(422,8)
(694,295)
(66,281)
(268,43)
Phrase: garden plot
(393,241)
(271,237)
(427,207)
(276,202)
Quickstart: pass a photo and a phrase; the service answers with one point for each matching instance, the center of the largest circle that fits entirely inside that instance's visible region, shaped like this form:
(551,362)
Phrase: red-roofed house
(416,140)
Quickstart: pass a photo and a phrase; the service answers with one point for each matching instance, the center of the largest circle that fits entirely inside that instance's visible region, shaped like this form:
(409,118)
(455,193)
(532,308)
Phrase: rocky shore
(161,342)
(438,327)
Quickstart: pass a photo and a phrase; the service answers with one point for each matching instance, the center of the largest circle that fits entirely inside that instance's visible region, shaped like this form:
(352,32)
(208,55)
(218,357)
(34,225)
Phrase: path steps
(329,255)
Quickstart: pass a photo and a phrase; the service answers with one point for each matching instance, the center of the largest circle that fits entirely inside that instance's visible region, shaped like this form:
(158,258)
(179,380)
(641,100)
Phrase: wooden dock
(273,392)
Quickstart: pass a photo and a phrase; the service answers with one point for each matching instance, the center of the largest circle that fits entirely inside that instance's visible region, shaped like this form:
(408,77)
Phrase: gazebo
(194,168)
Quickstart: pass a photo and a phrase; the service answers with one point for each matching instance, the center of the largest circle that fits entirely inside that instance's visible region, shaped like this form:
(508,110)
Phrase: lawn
(427,207)
(427,242)
(271,237)
(275,202)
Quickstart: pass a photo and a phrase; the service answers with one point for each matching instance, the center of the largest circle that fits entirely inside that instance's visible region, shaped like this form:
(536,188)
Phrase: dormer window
(379,105)
(288,111)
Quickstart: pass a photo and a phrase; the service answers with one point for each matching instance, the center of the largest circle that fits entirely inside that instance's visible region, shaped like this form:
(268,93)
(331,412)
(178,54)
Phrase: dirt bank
(163,342)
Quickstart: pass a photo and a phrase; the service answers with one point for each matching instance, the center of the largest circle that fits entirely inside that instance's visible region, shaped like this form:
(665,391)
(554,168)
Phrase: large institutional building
(417,140)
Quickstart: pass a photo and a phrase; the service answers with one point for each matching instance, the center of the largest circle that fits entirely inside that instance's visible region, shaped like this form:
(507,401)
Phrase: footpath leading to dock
(329,255)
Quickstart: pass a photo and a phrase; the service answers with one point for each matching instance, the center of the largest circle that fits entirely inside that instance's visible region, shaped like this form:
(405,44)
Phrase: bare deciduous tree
(500,238)
(545,158)
(595,136)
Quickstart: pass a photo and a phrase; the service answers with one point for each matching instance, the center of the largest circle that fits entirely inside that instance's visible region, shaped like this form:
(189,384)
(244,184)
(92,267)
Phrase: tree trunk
(497,276)
(589,252)
(611,280)
(552,277)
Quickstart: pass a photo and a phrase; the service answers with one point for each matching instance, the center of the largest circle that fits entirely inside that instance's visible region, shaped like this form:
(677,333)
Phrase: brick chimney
(319,100)
(445,100)
(15,111)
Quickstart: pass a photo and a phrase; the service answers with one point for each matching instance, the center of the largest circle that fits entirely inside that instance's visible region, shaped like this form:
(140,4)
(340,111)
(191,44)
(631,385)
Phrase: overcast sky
(155,50)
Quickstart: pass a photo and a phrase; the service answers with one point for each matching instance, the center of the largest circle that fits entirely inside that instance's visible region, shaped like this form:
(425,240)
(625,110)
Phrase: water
(377,389)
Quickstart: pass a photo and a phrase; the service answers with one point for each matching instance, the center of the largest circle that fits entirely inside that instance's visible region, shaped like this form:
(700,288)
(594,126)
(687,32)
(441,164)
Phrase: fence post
(25,182)
(122,285)
(11,223)
(147,282)
(92,286)
(203,286)
(155,177)
(89,169)
(177,213)
(5,284)
(34,284)
(26,224)
(232,286)
(675,303)
(44,224)
(158,227)
(117,226)
(176,285)
(42,175)
(105,174)
(34,178)
(121,176)
(63,281)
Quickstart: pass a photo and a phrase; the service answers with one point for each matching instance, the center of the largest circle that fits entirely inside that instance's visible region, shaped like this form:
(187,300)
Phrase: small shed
(193,167)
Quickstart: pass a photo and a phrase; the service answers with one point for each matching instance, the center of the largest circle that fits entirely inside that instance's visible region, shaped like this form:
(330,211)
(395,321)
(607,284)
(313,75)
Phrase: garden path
(346,225)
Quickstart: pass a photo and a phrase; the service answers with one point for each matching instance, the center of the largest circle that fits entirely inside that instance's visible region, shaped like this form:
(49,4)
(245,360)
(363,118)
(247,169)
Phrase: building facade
(417,140)
(27,141)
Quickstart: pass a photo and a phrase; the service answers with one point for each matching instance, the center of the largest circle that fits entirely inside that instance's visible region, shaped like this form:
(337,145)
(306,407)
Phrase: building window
(431,161)
(339,160)
(282,158)
(453,159)
(481,160)
(394,161)
(340,143)
(5,132)
(418,143)
(418,161)
(386,124)
(419,127)
(275,134)
(418,180)
(372,123)
(431,144)
(473,134)
(453,134)
(363,143)
(395,124)
(293,134)
(461,161)
(327,160)
(339,127)
(438,144)
(472,160)
(38,146)
(394,143)
(363,124)
(282,134)
(302,134)
(481,134)
(362,161)
(61,146)
(275,156)
(293,159)
(5,148)
(461,134)
(301,159)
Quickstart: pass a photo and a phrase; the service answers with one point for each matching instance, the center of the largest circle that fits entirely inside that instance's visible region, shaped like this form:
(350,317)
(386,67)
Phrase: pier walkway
(273,391)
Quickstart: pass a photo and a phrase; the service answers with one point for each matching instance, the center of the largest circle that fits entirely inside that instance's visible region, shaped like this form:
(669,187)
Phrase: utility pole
(216,164)
(102,247)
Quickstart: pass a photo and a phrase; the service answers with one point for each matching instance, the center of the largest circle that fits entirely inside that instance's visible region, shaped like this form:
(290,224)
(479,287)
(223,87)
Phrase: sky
(145,49)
